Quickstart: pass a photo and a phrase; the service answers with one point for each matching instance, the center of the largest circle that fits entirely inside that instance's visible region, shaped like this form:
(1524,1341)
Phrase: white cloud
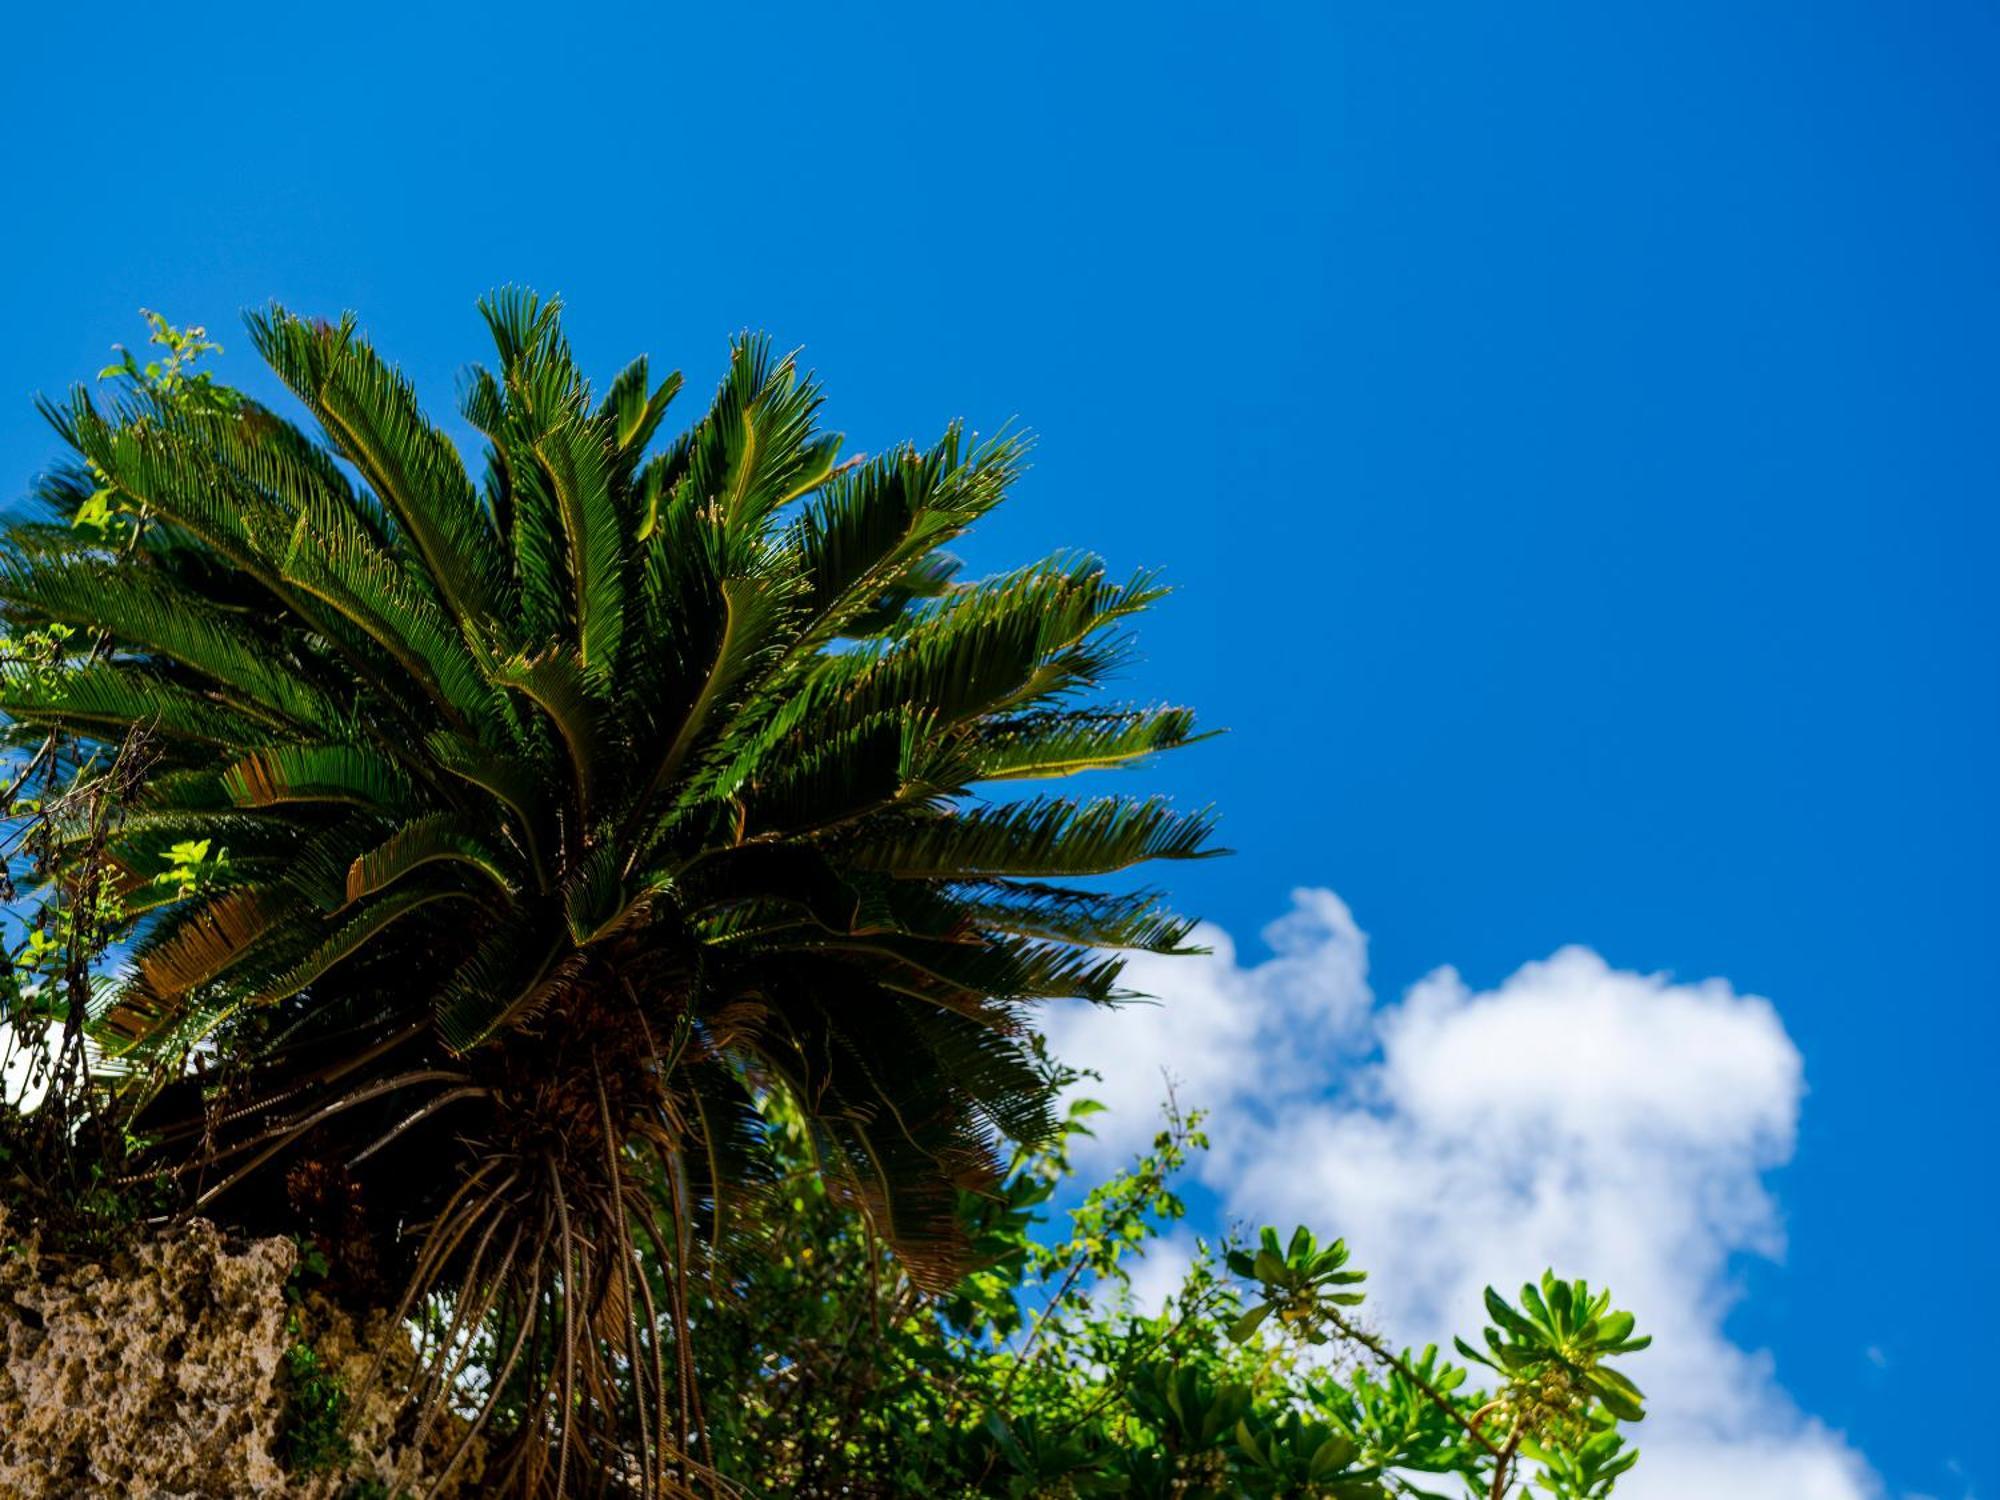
(1159,1270)
(1611,1124)
(22,1084)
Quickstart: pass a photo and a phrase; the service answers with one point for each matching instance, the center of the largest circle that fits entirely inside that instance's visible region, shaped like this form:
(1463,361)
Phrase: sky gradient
(1570,433)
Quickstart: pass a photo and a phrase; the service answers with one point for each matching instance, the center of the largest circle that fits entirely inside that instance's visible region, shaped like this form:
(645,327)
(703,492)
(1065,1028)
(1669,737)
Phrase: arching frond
(1043,838)
(371,414)
(433,838)
(319,773)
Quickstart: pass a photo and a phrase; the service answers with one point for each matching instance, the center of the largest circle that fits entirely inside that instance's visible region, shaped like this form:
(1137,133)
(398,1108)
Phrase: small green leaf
(1241,1329)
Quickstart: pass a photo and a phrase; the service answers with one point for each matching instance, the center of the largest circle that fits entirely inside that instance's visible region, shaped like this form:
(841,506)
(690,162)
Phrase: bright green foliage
(827,1374)
(538,824)
(175,376)
(1408,1411)
(108,511)
(1559,1400)
(1585,1468)
(315,1411)
(312,1437)
(1300,1284)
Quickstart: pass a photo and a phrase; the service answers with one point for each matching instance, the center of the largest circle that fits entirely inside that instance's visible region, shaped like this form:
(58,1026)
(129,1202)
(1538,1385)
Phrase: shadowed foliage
(505,840)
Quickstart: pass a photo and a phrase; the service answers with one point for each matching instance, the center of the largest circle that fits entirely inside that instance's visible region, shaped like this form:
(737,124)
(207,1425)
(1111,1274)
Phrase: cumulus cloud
(1610,1124)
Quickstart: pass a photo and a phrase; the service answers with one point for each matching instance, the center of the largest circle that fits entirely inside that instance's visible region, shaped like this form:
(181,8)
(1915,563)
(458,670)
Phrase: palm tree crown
(554,817)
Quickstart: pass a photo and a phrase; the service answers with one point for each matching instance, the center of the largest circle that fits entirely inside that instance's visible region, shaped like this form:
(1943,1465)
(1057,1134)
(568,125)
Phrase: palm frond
(356,774)
(433,838)
(556,684)
(371,414)
(1043,838)
(1041,746)
(107,699)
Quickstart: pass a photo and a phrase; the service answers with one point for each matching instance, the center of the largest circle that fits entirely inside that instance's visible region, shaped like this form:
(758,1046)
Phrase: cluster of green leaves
(110,510)
(312,1435)
(829,1374)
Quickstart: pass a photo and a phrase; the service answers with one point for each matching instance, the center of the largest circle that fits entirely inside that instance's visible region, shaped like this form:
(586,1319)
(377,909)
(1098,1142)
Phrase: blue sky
(1570,428)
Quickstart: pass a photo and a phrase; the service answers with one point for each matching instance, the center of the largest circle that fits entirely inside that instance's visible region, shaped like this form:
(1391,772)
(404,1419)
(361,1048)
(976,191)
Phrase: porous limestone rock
(160,1376)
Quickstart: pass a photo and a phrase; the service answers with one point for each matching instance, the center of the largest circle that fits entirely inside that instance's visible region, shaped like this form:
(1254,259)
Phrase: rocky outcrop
(162,1375)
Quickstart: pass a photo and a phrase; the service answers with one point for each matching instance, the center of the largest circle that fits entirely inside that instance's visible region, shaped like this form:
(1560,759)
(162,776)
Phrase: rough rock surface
(160,1376)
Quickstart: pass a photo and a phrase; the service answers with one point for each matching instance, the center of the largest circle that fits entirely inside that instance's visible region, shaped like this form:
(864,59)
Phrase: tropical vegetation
(590,905)
(1044,1373)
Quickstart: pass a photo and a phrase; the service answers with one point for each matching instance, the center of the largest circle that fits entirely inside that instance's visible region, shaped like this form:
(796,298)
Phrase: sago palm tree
(504,843)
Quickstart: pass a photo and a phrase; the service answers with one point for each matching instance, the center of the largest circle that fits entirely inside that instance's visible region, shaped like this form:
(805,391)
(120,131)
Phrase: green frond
(430,839)
(148,614)
(752,744)
(264,455)
(574,457)
(1004,644)
(867,540)
(928,577)
(768,455)
(170,469)
(520,321)
(370,411)
(752,453)
(323,856)
(319,773)
(500,982)
(1062,743)
(231,485)
(750,613)
(109,698)
(144,830)
(978,971)
(909,1100)
(789,874)
(35,541)
(519,783)
(1135,920)
(541,566)
(1047,837)
(346,940)
(555,683)
(833,780)
(331,555)
(593,898)
(631,414)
